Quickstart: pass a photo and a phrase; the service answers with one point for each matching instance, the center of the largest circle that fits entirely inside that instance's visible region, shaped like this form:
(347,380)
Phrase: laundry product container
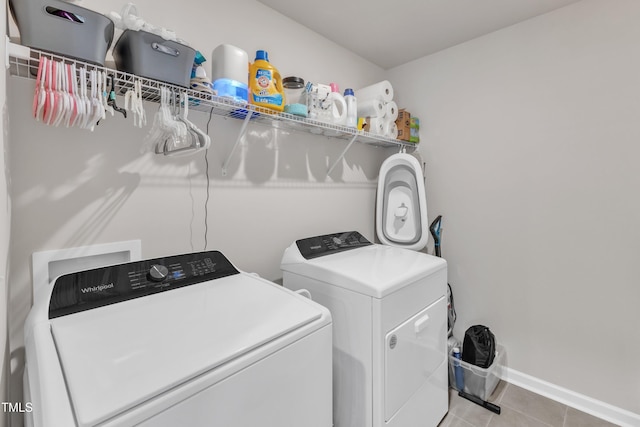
(149,55)
(63,28)
(480,382)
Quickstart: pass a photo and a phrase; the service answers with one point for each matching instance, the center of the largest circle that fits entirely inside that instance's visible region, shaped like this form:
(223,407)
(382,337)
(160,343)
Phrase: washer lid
(374,270)
(118,356)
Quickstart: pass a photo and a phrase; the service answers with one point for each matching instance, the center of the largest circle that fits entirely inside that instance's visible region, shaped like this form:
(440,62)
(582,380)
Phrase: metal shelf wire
(23,62)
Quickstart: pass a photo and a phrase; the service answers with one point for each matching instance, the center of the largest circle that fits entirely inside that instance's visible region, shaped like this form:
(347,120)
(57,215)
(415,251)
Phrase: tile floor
(519,408)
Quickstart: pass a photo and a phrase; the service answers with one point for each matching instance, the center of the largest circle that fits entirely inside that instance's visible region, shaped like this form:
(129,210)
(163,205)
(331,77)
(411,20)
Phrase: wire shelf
(23,62)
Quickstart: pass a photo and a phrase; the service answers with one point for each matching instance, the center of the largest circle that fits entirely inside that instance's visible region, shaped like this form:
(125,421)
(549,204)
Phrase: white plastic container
(335,110)
(230,72)
(338,106)
(352,109)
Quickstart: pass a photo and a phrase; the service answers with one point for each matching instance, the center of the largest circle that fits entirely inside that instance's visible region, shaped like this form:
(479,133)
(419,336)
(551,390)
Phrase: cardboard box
(403,122)
(414,132)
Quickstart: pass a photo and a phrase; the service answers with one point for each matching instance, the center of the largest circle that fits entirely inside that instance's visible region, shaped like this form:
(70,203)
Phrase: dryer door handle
(421,324)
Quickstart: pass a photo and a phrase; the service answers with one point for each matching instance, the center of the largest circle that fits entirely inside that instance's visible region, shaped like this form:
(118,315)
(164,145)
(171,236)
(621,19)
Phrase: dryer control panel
(86,290)
(314,247)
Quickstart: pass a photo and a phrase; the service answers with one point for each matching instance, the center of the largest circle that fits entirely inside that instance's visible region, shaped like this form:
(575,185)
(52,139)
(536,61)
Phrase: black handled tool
(487,405)
(435,232)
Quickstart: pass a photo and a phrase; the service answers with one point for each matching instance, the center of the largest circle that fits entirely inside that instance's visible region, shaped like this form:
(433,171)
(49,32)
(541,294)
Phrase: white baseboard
(570,398)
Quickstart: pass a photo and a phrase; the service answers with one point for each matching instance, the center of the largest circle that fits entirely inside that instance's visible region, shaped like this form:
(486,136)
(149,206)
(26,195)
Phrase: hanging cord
(206,202)
(193,207)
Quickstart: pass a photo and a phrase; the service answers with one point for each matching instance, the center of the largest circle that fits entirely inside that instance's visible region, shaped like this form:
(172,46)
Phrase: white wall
(73,187)
(5,228)
(531,139)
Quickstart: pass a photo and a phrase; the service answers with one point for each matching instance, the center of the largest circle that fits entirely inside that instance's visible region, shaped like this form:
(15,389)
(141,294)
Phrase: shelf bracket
(243,130)
(339,159)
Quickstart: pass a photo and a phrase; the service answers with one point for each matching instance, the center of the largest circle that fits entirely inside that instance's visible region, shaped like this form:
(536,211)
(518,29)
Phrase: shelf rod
(243,130)
(342,154)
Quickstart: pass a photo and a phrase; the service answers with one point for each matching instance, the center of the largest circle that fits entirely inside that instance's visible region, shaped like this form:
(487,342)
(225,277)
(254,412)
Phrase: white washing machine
(184,340)
(388,307)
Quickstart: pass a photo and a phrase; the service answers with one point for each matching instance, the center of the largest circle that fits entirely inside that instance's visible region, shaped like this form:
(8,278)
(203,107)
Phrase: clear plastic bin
(480,382)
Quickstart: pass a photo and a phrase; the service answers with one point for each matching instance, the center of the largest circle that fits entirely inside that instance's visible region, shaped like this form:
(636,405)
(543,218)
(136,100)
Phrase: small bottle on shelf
(352,108)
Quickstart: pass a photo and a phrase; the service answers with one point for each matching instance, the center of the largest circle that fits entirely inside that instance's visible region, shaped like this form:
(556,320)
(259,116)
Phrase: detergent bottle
(337,106)
(265,84)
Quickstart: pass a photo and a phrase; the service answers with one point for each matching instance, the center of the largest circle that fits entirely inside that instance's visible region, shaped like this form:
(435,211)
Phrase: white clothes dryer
(185,340)
(388,306)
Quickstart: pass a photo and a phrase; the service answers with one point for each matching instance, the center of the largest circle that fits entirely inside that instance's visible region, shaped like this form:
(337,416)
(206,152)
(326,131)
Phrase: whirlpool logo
(98,288)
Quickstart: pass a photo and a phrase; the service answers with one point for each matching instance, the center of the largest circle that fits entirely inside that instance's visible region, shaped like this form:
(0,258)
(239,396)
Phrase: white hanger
(77,119)
(50,100)
(62,102)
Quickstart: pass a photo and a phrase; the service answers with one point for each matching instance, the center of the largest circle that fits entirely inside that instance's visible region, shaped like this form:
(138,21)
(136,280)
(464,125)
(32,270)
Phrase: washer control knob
(158,272)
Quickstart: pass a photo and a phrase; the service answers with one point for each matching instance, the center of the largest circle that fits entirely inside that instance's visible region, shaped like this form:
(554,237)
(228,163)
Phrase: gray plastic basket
(148,55)
(63,28)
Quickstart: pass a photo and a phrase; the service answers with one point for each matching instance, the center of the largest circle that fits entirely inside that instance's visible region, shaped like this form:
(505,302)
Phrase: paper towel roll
(382,91)
(391,130)
(370,108)
(391,109)
(376,125)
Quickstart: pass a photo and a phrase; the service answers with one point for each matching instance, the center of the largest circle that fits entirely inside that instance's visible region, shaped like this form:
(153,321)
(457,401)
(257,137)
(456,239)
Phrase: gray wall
(5,228)
(530,135)
(73,187)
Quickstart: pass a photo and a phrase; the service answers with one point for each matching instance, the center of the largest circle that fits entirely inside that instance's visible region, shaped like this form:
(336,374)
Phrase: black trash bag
(479,346)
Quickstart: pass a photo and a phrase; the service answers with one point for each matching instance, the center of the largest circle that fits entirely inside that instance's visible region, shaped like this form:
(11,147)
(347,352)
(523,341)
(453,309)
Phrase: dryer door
(414,350)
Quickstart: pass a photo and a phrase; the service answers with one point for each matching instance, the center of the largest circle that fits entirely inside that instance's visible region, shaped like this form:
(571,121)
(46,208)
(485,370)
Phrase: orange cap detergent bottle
(265,84)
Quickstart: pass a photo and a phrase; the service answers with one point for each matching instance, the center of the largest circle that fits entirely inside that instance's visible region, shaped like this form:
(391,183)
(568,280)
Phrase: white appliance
(388,307)
(185,340)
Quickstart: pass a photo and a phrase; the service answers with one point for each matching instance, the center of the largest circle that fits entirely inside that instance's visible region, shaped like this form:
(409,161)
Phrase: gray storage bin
(149,55)
(63,28)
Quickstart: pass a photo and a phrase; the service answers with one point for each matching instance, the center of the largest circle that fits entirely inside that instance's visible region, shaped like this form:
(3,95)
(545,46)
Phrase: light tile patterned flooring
(519,408)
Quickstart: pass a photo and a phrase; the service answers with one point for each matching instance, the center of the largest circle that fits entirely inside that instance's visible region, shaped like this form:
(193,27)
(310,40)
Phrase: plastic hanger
(204,141)
(49,101)
(105,96)
(96,105)
(62,102)
(73,108)
(40,95)
(133,102)
(76,119)
(112,97)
